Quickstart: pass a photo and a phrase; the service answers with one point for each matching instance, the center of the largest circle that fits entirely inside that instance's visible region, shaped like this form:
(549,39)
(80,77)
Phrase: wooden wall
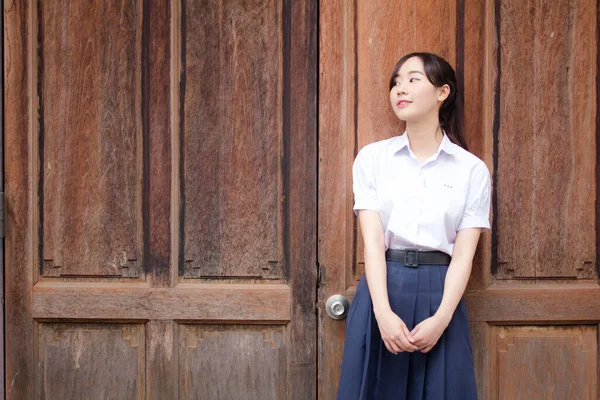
(528,74)
(161,199)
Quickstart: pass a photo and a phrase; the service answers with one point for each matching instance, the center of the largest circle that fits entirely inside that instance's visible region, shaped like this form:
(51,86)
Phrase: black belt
(413,257)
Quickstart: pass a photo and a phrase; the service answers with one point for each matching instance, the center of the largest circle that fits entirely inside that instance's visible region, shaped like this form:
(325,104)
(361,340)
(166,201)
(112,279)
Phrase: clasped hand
(398,338)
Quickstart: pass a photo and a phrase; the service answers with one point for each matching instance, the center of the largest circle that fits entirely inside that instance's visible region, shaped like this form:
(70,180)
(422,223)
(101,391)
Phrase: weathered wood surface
(206,354)
(252,302)
(527,71)
(69,355)
(233,180)
(549,362)
(90,138)
(19,203)
(108,147)
(547,139)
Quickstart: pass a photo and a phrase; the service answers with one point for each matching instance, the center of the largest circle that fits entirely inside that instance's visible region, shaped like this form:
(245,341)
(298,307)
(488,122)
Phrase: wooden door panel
(69,356)
(233,181)
(528,358)
(546,144)
(527,70)
(161,204)
(90,149)
(208,352)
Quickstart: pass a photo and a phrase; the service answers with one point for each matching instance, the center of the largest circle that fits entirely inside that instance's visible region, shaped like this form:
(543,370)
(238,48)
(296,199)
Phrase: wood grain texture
(91,138)
(224,362)
(18,216)
(337,99)
(300,111)
(477,74)
(157,100)
(161,359)
(85,297)
(547,147)
(547,303)
(479,335)
(69,356)
(2,280)
(185,302)
(549,362)
(232,139)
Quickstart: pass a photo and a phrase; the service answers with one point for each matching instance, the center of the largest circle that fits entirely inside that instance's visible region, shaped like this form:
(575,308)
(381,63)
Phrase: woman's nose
(401,89)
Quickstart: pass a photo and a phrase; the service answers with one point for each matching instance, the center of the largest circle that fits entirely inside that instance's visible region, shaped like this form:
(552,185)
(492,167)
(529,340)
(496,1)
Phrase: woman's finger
(391,346)
(408,346)
(426,349)
(407,333)
(387,346)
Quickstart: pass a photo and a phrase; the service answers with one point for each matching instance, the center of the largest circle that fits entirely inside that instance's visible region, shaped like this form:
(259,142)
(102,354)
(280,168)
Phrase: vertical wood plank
(18,271)
(157,154)
(161,367)
(2,297)
(477,88)
(480,355)
(300,112)
(337,90)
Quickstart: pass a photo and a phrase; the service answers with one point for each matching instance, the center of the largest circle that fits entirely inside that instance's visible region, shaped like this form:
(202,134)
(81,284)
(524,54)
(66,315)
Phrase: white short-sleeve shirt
(422,206)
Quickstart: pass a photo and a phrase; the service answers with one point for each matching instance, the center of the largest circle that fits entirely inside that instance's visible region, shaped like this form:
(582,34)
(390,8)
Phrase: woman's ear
(443,93)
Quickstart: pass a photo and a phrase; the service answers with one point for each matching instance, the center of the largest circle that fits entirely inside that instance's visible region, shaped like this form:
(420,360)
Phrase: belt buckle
(411,258)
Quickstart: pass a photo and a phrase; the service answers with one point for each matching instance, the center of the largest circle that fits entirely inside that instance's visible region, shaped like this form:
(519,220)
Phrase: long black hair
(440,73)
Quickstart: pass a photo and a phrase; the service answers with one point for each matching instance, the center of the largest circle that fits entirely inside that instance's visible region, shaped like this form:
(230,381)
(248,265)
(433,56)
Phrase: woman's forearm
(375,270)
(375,267)
(458,273)
(457,278)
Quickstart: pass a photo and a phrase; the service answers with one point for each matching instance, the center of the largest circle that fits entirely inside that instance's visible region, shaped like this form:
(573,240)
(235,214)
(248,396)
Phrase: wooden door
(161,199)
(528,70)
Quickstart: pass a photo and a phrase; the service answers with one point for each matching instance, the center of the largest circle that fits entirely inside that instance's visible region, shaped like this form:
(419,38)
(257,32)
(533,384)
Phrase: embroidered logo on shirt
(448,186)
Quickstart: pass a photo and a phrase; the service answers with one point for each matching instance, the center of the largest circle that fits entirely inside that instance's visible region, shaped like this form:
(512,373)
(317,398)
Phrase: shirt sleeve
(363,182)
(477,208)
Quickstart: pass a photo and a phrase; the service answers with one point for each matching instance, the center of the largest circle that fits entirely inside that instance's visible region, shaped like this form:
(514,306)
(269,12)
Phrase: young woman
(422,200)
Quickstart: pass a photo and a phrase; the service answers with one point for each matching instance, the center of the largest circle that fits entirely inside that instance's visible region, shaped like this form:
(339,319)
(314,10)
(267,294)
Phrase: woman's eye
(396,83)
(411,79)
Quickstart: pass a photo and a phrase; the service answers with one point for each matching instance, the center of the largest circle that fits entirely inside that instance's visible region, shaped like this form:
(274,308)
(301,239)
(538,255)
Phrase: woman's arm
(428,332)
(394,333)
(458,273)
(375,269)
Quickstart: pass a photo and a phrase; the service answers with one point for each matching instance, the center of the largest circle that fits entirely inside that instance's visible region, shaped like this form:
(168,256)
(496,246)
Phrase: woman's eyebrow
(411,72)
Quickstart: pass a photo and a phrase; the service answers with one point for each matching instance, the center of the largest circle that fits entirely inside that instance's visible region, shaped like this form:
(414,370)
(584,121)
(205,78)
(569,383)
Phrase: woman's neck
(424,137)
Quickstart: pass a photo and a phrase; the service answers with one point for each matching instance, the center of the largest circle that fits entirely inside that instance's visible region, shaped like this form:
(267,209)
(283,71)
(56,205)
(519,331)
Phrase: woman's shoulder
(469,160)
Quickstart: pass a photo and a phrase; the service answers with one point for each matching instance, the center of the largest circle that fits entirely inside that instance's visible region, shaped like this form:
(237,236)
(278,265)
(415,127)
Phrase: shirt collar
(446,145)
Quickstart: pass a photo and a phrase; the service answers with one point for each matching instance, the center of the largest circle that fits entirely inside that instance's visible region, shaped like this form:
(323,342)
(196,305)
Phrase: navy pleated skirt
(370,372)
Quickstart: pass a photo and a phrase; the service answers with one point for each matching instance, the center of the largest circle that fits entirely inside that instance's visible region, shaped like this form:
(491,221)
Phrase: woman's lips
(403,103)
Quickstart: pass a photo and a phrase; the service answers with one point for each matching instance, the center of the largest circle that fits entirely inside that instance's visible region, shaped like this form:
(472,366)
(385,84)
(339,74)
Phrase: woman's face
(414,97)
